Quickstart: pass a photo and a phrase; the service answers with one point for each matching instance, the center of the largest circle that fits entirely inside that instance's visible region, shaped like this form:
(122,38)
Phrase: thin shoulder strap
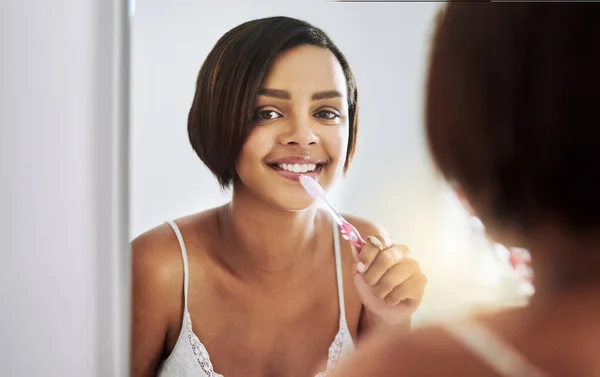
(500,356)
(338,268)
(185,261)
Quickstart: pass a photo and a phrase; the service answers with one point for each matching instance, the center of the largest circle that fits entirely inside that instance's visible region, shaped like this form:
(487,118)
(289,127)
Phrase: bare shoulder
(157,263)
(157,279)
(156,254)
(365,227)
(425,352)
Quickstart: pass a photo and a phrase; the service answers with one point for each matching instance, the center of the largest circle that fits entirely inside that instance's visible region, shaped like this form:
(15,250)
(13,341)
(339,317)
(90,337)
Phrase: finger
(394,276)
(410,292)
(373,246)
(356,267)
(383,261)
(355,254)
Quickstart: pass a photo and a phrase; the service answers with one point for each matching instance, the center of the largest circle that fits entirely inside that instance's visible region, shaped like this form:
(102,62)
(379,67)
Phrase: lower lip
(296,176)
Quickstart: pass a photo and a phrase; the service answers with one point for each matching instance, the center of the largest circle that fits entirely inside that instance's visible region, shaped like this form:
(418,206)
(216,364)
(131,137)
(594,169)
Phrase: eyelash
(258,114)
(330,112)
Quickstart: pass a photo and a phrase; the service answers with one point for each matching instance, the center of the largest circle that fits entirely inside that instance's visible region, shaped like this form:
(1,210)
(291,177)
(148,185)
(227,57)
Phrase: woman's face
(300,127)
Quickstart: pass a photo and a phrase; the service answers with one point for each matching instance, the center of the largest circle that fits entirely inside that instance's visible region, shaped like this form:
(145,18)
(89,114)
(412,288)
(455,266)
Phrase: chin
(293,203)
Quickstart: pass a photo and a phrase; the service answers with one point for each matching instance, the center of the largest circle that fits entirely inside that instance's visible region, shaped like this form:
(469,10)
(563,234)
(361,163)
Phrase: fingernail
(375,241)
(360,267)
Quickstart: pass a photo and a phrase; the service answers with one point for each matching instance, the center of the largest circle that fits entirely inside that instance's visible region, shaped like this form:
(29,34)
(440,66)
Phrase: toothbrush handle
(350,233)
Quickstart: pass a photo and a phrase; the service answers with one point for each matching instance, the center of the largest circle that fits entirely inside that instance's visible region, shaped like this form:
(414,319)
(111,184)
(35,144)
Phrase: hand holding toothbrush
(389,282)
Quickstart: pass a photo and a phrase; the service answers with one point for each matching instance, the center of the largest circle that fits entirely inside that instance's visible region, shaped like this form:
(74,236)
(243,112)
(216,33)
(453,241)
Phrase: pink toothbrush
(348,231)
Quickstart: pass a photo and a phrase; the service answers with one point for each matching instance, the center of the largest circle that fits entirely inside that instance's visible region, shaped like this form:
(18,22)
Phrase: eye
(327,115)
(266,115)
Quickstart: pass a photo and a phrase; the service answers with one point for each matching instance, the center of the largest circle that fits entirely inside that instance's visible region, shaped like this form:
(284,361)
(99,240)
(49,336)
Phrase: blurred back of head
(512,111)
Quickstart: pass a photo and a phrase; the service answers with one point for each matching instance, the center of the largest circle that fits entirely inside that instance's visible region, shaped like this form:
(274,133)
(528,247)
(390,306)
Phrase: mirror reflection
(237,268)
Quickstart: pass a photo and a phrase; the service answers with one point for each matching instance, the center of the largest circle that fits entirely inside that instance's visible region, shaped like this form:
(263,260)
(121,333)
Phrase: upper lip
(297,160)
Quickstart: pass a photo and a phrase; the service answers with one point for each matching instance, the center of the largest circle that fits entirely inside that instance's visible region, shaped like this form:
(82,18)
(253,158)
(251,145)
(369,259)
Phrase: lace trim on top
(203,358)
(200,351)
(335,351)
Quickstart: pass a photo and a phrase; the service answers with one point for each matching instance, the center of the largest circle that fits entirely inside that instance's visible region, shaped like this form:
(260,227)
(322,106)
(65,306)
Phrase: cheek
(335,141)
(257,146)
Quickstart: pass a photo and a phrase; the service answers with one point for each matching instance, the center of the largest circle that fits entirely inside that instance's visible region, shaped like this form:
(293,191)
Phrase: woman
(266,287)
(512,123)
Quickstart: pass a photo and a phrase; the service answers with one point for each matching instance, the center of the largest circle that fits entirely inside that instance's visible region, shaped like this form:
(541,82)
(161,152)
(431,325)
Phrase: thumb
(355,253)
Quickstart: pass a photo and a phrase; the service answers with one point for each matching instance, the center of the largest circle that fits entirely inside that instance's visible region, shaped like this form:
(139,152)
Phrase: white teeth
(298,168)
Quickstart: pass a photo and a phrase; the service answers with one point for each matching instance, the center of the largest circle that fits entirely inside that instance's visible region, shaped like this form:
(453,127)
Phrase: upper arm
(157,285)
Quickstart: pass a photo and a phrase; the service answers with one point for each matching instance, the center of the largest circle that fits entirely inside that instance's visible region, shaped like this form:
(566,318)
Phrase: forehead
(306,69)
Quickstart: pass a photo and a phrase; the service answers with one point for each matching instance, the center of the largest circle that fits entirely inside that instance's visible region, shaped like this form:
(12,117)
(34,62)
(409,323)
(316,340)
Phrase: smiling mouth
(297,168)
(294,171)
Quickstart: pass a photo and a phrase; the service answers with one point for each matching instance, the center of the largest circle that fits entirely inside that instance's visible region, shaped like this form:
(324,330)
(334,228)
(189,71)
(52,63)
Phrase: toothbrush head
(312,187)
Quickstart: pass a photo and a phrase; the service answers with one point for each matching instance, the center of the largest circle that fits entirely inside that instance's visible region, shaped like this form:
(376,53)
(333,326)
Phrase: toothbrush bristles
(312,187)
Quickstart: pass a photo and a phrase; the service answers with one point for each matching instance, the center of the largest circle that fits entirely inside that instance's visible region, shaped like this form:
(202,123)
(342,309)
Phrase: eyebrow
(326,95)
(276,93)
(284,94)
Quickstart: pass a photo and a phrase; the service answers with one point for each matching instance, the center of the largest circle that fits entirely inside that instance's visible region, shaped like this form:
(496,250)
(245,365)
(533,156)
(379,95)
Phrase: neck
(264,242)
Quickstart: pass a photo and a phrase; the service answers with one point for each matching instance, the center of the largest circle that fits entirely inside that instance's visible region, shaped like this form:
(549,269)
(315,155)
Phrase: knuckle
(389,256)
(413,263)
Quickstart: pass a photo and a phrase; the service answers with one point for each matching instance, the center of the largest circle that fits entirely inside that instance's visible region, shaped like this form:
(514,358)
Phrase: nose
(299,132)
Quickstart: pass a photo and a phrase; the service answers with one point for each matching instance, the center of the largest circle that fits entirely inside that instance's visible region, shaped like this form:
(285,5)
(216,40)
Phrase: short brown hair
(512,108)
(229,82)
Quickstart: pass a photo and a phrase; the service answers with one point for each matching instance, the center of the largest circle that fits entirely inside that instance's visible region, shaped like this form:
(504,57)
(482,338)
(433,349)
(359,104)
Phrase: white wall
(63,265)
(390,181)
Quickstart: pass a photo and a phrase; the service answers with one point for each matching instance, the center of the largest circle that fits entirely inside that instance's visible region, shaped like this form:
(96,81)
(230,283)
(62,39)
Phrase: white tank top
(190,358)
